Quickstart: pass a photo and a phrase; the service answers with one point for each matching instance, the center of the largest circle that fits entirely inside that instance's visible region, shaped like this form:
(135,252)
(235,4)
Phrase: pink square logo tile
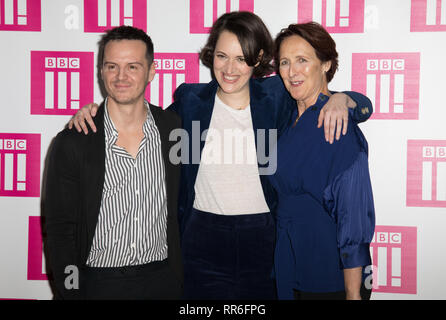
(337,16)
(102,15)
(61,82)
(203,13)
(36,264)
(427,15)
(426,173)
(20,15)
(391,81)
(172,69)
(19,165)
(394,257)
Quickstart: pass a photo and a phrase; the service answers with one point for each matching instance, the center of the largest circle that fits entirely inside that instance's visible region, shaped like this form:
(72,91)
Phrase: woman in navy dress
(325,213)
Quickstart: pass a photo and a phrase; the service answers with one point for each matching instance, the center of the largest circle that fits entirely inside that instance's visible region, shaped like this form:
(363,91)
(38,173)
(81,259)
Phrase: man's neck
(127,117)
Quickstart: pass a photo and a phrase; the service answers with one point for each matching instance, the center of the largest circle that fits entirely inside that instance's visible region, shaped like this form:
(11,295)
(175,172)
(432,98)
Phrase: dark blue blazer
(271,108)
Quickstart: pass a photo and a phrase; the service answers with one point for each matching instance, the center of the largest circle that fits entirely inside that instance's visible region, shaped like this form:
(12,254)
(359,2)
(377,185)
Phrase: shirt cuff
(355,256)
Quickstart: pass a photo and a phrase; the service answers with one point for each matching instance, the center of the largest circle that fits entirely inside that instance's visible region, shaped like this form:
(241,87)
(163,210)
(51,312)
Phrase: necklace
(295,121)
(298,115)
(241,104)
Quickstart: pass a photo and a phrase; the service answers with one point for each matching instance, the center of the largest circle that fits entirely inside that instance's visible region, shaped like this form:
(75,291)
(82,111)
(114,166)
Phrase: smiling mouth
(296,83)
(121,86)
(230,79)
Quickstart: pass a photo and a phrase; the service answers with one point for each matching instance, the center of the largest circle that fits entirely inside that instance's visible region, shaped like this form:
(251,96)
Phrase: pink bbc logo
(19,165)
(172,69)
(394,256)
(391,81)
(203,13)
(20,15)
(36,263)
(428,15)
(61,82)
(426,173)
(102,15)
(337,16)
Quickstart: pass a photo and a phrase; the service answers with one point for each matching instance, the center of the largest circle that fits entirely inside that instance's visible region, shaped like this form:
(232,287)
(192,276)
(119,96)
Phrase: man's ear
(152,72)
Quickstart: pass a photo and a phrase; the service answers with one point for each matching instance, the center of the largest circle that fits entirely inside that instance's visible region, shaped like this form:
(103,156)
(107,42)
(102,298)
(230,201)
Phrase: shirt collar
(111,134)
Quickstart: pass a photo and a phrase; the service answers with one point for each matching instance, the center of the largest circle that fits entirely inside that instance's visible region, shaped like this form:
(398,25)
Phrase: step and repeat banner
(392,51)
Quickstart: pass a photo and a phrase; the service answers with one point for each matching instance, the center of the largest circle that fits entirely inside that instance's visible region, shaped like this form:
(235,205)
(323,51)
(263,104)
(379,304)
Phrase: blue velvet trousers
(229,257)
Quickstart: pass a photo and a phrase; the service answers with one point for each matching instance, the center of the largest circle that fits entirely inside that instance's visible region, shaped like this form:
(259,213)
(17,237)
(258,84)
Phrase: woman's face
(230,68)
(301,70)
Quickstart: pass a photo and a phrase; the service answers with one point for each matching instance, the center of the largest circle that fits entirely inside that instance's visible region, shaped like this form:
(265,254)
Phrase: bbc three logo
(61,82)
(337,16)
(426,173)
(394,257)
(203,13)
(391,81)
(20,15)
(19,165)
(101,15)
(428,15)
(172,69)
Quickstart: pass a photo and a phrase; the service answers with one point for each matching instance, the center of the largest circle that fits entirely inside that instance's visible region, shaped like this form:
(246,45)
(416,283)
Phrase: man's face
(126,71)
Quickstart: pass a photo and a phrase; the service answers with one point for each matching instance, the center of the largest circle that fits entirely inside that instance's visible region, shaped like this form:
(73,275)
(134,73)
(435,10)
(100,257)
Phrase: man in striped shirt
(111,197)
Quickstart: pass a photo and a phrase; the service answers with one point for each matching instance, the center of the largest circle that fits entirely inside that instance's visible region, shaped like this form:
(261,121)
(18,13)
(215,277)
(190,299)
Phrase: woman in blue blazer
(226,203)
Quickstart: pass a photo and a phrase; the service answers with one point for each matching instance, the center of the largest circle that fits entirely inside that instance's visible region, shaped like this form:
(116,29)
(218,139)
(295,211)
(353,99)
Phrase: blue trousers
(229,257)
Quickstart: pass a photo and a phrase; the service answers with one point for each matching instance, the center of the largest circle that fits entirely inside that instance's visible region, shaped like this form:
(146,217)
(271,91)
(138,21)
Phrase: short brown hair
(317,37)
(125,33)
(253,36)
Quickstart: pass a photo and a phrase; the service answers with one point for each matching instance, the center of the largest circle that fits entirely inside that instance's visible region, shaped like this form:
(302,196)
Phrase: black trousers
(152,281)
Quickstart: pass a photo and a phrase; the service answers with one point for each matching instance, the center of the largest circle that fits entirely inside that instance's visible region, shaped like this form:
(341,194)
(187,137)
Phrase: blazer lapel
(205,106)
(200,119)
(262,112)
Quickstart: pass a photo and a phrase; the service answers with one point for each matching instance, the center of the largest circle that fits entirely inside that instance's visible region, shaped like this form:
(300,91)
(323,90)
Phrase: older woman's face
(301,70)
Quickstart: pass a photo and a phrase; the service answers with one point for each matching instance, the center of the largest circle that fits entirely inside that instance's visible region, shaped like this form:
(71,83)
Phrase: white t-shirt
(228,179)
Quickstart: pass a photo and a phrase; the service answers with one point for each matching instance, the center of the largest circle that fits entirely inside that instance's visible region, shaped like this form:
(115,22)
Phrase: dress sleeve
(363,109)
(349,201)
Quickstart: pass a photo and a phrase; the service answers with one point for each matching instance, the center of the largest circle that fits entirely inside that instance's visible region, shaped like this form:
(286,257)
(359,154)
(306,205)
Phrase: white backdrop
(393,51)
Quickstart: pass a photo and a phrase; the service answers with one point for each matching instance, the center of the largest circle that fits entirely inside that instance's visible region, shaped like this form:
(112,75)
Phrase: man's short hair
(125,33)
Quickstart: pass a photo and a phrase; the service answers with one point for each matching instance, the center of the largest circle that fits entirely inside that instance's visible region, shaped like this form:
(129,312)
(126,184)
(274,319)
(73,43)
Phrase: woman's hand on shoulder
(84,116)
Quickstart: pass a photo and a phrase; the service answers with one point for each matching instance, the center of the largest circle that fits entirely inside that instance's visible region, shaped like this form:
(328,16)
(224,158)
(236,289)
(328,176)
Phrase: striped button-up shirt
(131,228)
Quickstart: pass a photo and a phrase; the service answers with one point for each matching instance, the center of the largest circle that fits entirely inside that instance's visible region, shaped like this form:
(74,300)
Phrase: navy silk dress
(325,213)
